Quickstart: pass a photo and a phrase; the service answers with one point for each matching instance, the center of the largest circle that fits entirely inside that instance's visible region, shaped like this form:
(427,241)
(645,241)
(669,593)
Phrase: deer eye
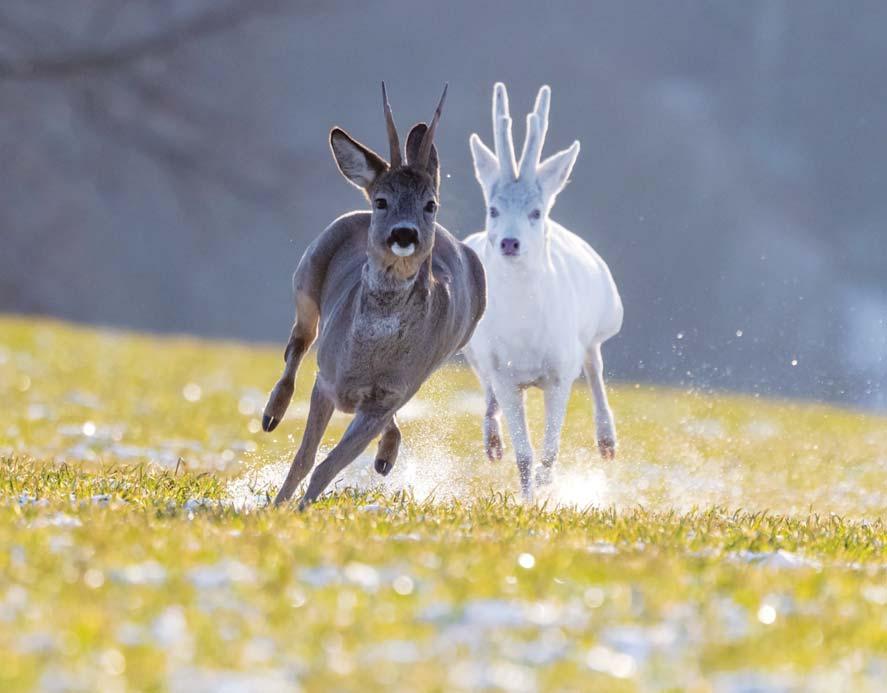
(430,206)
(494,212)
(380,203)
(535,214)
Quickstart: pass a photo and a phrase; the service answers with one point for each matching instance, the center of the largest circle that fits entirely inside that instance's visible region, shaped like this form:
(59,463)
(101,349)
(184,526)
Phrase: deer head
(403,192)
(519,196)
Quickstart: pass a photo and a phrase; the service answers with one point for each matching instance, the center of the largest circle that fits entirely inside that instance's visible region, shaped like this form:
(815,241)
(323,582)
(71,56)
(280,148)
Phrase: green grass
(735,541)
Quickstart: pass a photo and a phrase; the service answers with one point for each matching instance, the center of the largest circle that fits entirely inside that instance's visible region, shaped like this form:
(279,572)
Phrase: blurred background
(166,163)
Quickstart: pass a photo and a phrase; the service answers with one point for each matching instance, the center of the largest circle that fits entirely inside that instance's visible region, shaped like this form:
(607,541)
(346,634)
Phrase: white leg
(512,401)
(606,429)
(557,397)
(492,429)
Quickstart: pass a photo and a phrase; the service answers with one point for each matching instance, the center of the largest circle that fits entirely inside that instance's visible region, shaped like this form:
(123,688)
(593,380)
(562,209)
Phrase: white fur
(548,309)
(403,252)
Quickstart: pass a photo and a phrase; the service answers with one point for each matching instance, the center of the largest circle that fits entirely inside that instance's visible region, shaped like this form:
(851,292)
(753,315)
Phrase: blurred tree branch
(172,36)
(125,91)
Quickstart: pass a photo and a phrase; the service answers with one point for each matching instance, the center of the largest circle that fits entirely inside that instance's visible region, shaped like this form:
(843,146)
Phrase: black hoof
(383,466)
(269,423)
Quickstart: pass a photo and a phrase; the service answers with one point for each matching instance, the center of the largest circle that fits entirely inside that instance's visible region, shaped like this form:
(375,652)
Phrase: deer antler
(428,138)
(393,139)
(537,125)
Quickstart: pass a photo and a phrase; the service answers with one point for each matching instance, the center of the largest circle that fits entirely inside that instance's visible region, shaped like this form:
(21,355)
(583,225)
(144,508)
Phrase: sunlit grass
(734,541)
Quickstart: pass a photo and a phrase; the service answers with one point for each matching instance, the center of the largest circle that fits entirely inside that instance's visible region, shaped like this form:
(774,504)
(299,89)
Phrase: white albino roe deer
(393,295)
(551,301)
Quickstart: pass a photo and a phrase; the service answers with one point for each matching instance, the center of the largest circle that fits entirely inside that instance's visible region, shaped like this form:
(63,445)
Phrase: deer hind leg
(557,396)
(492,430)
(301,338)
(389,444)
(603,416)
(363,428)
(320,411)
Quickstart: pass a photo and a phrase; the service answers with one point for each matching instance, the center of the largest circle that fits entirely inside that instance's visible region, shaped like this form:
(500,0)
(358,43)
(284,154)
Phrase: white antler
(502,132)
(537,126)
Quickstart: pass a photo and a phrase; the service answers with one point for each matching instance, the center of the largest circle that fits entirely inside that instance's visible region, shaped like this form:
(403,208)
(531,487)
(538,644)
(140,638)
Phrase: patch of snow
(608,661)
(775,560)
(498,674)
(320,576)
(494,613)
(750,681)
(170,631)
(640,642)
(147,573)
(221,574)
(603,548)
(192,680)
(396,651)
(56,520)
(362,575)
(27,499)
(36,643)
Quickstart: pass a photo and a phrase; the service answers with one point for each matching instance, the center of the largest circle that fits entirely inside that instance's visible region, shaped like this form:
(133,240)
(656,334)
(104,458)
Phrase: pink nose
(510,246)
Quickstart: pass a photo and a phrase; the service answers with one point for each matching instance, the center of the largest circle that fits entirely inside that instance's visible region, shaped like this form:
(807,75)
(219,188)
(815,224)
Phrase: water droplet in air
(767,614)
(94,578)
(113,662)
(403,585)
(526,561)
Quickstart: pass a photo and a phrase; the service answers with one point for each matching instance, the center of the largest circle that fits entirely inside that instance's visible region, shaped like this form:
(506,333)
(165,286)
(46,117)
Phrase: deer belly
(354,389)
(534,356)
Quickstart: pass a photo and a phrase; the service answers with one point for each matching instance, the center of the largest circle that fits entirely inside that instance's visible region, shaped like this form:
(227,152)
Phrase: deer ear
(414,142)
(554,172)
(357,162)
(486,165)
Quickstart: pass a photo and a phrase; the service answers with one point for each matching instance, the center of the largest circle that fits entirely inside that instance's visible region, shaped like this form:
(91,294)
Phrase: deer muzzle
(403,240)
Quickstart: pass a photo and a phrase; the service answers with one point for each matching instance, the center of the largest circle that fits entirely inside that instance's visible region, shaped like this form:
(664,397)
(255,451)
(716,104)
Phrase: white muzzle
(403,252)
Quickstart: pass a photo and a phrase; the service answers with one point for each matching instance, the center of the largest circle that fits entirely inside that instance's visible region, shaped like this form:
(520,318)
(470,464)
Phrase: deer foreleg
(363,428)
(320,410)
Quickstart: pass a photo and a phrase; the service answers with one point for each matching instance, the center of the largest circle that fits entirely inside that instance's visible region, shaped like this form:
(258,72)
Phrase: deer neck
(384,289)
(525,272)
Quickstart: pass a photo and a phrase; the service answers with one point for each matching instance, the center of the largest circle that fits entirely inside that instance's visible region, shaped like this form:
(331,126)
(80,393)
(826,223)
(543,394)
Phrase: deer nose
(510,246)
(404,236)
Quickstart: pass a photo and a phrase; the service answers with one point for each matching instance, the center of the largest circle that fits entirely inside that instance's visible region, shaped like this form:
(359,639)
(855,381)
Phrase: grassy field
(736,544)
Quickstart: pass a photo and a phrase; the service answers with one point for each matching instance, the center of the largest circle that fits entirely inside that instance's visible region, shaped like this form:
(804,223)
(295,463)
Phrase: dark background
(165,163)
